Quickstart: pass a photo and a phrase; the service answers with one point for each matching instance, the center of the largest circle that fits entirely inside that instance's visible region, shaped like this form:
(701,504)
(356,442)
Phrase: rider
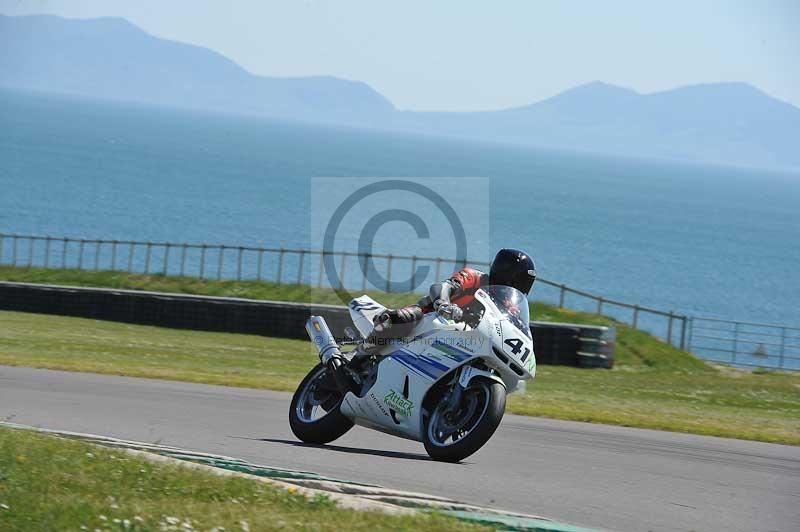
(453,297)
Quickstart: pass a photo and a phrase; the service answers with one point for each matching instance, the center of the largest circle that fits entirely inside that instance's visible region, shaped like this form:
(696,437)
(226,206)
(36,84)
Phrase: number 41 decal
(516,347)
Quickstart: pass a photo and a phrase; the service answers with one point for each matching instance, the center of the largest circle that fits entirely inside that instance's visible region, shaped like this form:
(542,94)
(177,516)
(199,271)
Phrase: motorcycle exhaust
(323,339)
(329,352)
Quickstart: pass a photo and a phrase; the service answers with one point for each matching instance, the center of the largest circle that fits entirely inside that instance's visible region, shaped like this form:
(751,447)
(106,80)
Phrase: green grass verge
(655,387)
(50,483)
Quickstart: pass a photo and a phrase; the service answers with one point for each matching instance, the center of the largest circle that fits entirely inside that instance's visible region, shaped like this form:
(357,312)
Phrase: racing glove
(382,322)
(385,319)
(450,311)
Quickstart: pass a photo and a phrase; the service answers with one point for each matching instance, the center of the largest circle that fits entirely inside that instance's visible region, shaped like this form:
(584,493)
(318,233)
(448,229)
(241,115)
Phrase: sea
(700,240)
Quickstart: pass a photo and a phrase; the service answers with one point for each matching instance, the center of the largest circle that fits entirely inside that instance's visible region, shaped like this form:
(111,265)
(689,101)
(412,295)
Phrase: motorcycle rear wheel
(451,436)
(314,414)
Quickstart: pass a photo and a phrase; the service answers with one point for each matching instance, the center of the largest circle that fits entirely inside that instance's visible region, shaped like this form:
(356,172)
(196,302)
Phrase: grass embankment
(49,483)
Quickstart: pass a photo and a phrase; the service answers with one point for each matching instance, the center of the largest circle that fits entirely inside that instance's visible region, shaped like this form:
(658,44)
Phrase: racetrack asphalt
(597,476)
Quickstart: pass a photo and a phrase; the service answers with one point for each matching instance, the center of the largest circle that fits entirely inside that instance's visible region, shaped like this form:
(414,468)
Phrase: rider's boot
(389,327)
(365,349)
(372,343)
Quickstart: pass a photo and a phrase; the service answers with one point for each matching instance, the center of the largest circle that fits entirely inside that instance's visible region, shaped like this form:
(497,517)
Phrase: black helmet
(512,267)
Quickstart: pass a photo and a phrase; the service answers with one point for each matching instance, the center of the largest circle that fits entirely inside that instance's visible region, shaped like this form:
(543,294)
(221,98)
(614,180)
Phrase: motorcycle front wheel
(314,414)
(452,434)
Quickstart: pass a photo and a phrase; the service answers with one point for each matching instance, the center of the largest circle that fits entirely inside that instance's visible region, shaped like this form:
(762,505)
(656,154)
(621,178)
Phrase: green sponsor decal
(448,351)
(398,403)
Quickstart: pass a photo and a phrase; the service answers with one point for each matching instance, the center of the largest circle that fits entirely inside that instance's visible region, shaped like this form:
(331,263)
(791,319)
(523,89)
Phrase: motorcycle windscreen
(512,304)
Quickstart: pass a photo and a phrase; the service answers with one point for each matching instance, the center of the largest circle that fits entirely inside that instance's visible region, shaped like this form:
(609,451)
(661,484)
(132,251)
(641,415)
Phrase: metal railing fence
(393,273)
(747,344)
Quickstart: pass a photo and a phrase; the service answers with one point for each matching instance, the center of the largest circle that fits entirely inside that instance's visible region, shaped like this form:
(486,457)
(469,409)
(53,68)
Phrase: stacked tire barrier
(570,344)
(180,311)
(565,344)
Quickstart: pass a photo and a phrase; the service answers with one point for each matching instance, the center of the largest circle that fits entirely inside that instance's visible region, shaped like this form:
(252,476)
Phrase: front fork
(464,375)
(458,388)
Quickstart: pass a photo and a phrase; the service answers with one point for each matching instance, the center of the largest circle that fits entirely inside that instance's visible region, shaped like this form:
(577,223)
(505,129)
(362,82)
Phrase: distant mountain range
(110,58)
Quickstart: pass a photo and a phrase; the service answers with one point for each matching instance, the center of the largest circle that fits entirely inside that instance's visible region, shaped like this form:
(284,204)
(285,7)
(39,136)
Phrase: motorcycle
(444,384)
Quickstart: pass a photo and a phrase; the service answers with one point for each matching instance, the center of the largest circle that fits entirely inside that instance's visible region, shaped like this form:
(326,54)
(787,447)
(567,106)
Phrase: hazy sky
(465,55)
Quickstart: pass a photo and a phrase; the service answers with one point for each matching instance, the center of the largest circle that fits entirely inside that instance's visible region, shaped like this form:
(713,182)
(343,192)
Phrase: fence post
(561,295)
(783,345)
(202,261)
(635,316)
(321,267)
(413,271)
(113,255)
(147,254)
(735,341)
(97,244)
(184,248)
(683,332)
(669,328)
(47,241)
(131,252)
(14,250)
(166,257)
(600,305)
(691,330)
(260,263)
(220,261)
(80,254)
(364,271)
(280,266)
(300,267)
(2,237)
(31,243)
(389,274)
(438,270)
(342,267)
(64,253)
(239,264)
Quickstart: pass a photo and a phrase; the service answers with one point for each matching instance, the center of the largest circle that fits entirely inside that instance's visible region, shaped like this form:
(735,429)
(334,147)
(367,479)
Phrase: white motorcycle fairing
(437,347)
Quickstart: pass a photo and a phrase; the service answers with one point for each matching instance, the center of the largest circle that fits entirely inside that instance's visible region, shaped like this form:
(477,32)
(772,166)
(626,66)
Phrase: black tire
(331,425)
(481,431)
